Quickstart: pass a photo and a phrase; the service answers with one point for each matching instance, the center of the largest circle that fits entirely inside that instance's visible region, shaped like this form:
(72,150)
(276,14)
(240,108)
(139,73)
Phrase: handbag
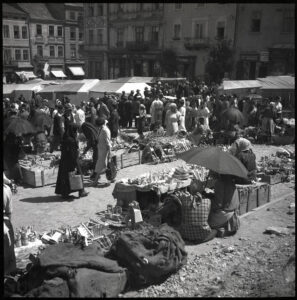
(111,170)
(75,181)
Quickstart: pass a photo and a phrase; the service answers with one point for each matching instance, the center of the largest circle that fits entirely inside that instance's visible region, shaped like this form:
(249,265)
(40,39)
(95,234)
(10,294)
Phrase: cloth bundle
(151,254)
(68,270)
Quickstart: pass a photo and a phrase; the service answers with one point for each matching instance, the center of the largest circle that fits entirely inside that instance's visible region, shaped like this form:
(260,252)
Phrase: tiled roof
(10,9)
(36,11)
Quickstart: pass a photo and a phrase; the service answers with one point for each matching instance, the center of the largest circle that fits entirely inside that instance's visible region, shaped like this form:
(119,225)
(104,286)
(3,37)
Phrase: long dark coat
(114,123)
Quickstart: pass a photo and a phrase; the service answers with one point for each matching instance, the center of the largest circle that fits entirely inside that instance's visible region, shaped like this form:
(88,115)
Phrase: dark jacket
(103,111)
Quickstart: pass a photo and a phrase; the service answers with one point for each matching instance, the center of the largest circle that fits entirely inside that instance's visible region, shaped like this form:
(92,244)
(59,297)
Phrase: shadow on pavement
(47,199)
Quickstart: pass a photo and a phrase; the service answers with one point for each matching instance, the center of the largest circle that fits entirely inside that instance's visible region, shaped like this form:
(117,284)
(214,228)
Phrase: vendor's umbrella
(90,131)
(233,114)
(18,127)
(42,121)
(215,159)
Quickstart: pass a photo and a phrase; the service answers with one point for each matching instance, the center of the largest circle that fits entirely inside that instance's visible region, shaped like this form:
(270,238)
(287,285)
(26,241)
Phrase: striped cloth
(195,212)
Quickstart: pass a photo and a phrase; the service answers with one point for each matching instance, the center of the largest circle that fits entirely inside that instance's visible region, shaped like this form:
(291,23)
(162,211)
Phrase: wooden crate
(271,179)
(37,178)
(33,178)
(129,159)
(252,196)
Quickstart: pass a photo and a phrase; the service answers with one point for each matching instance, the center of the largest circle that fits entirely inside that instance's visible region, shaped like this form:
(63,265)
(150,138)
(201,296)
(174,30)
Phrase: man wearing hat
(58,129)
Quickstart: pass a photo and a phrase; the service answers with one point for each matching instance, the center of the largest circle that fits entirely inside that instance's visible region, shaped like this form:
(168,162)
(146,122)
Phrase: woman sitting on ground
(224,205)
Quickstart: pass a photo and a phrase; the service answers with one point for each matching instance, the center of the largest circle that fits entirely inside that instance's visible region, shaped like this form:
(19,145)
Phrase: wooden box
(252,196)
(271,179)
(129,159)
(37,178)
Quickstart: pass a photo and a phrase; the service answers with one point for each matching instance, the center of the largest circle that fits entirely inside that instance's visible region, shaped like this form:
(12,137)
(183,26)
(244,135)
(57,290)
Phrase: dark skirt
(9,255)
(63,185)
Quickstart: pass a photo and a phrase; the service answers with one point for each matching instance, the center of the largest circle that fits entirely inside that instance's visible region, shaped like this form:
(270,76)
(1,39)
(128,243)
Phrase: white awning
(77,71)
(27,74)
(58,73)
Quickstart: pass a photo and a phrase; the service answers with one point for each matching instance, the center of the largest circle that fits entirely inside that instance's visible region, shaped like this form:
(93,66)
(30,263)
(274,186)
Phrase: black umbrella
(233,114)
(90,131)
(42,121)
(18,126)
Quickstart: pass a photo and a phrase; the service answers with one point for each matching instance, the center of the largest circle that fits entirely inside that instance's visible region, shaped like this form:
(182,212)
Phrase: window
(24,32)
(99,10)
(18,55)
(121,7)
(52,51)
(40,51)
(5,31)
(155,34)
(178,5)
(221,30)
(25,54)
(156,5)
(60,31)
(16,32)
(198,31)
(91,10)
(60,51)
(177,28)
(73,51)
(38,29)
(51,30)
(256,21)
(100,36)
(80,35)
(7,55)
(139,34)
(288,21)
(72,15)
(139,6)
(72,33)
(91,36)
(120,37)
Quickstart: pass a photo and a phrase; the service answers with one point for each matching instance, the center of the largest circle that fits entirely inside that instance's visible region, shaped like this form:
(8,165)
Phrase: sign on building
(264,56)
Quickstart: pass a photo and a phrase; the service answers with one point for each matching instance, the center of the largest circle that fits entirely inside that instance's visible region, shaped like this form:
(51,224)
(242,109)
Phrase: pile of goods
(281,164)
(181,173)
(40,162)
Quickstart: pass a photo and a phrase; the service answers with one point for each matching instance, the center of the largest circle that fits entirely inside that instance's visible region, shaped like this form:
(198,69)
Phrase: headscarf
(243,144)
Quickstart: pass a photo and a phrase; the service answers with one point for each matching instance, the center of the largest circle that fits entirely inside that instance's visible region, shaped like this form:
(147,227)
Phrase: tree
(168,61)
(220,61)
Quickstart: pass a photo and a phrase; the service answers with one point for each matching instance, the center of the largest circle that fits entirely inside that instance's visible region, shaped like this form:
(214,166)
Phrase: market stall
(239,87)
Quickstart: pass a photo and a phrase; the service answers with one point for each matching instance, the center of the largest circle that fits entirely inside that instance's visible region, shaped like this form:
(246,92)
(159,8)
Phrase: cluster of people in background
(190,109)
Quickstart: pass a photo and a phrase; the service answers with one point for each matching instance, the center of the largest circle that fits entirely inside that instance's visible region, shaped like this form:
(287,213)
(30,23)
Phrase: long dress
(68,163)
(156,111)
(171,120)
(182,125)
(104,145)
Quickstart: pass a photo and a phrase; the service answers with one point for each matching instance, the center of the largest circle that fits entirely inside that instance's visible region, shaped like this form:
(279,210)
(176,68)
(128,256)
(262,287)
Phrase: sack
(150,254)
(233,223)
(111,170)
(75,181)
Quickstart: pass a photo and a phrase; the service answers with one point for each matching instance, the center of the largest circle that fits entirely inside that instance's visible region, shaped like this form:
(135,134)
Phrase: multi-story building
(47,39)
(265,35)
(72,16)
(135,39)
(192,28)
(16,46)
(95,46)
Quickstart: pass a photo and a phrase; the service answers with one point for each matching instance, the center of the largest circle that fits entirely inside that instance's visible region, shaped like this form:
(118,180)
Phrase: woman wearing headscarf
(68,163)
(104,147)
(9,255)
(114,120)
(172,119)
(242,149)
(141,120)
(182,110)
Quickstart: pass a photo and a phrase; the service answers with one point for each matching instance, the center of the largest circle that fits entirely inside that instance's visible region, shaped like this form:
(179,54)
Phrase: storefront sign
(249,57)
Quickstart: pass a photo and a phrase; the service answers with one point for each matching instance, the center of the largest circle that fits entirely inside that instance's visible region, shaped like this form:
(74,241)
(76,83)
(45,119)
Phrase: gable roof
(8,9)
(37,11)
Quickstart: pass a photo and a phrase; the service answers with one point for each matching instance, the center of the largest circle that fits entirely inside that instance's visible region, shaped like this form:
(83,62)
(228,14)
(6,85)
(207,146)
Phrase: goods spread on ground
(41,161)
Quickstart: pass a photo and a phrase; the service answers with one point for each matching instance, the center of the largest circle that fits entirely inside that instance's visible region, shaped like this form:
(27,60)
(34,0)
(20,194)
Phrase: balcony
(137,46)
(196,43)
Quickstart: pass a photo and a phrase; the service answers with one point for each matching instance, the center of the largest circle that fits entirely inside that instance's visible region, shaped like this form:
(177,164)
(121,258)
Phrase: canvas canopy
(77,71)
(58,73)
(27,89)
(113,86)
(239,84)
(134,79)
(277,82)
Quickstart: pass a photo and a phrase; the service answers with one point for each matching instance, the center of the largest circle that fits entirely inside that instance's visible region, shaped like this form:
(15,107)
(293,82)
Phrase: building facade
(265,35)
(192,28)
(16,46)
(136,39)
(95,46)
(47,40)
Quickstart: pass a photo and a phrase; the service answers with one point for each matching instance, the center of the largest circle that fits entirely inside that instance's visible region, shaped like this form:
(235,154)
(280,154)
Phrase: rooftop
(36,11)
